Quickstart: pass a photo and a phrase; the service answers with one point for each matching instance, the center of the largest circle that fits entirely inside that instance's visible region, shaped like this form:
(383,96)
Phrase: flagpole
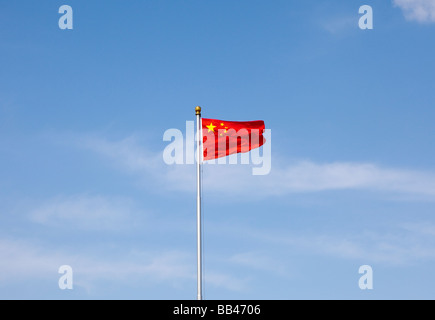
(198,197)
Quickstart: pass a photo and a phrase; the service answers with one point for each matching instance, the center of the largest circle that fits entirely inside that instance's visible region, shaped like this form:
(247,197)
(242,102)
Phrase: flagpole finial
(198,110)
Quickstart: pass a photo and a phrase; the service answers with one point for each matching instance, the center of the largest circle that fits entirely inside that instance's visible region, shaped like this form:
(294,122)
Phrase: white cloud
(339,24)
(218,279)
(418,10)
(285,178)
(21,260)
(128,152)
(86,212)
(260,261)
(308,176)
(421,228)
(24,261)
(391,247)
(132,156)
(397,245)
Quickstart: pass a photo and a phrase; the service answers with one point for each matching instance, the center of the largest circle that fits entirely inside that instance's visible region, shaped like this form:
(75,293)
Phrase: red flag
(222,138)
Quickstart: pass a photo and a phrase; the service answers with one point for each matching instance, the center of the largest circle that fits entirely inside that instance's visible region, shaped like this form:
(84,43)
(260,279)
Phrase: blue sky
(83,182)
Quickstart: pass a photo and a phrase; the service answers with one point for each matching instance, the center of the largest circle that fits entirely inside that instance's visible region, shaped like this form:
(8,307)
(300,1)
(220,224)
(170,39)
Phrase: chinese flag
(222,138)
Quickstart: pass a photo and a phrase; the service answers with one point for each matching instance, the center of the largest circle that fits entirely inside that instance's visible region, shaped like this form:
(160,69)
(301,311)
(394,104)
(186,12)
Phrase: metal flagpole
(198,196)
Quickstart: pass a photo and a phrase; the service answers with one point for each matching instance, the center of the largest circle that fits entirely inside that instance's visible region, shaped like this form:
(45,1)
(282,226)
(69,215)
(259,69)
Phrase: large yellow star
(210,127)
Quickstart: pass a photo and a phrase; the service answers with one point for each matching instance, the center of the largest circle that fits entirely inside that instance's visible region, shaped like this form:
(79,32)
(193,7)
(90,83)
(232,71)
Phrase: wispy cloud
(21,260)
(127,152)
(421,228)
(309,177)
(338,24)
(86,212)
(259,261)
(306,176)
(133,156)
(294,177)
(399,244)
(418,10)
(227,281)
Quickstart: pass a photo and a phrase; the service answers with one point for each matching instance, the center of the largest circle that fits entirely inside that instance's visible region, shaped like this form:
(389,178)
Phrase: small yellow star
(210,127)
(225,131)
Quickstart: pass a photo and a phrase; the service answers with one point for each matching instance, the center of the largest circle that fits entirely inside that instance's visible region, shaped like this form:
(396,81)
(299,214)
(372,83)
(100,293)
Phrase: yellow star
(225,131)
(210,127)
